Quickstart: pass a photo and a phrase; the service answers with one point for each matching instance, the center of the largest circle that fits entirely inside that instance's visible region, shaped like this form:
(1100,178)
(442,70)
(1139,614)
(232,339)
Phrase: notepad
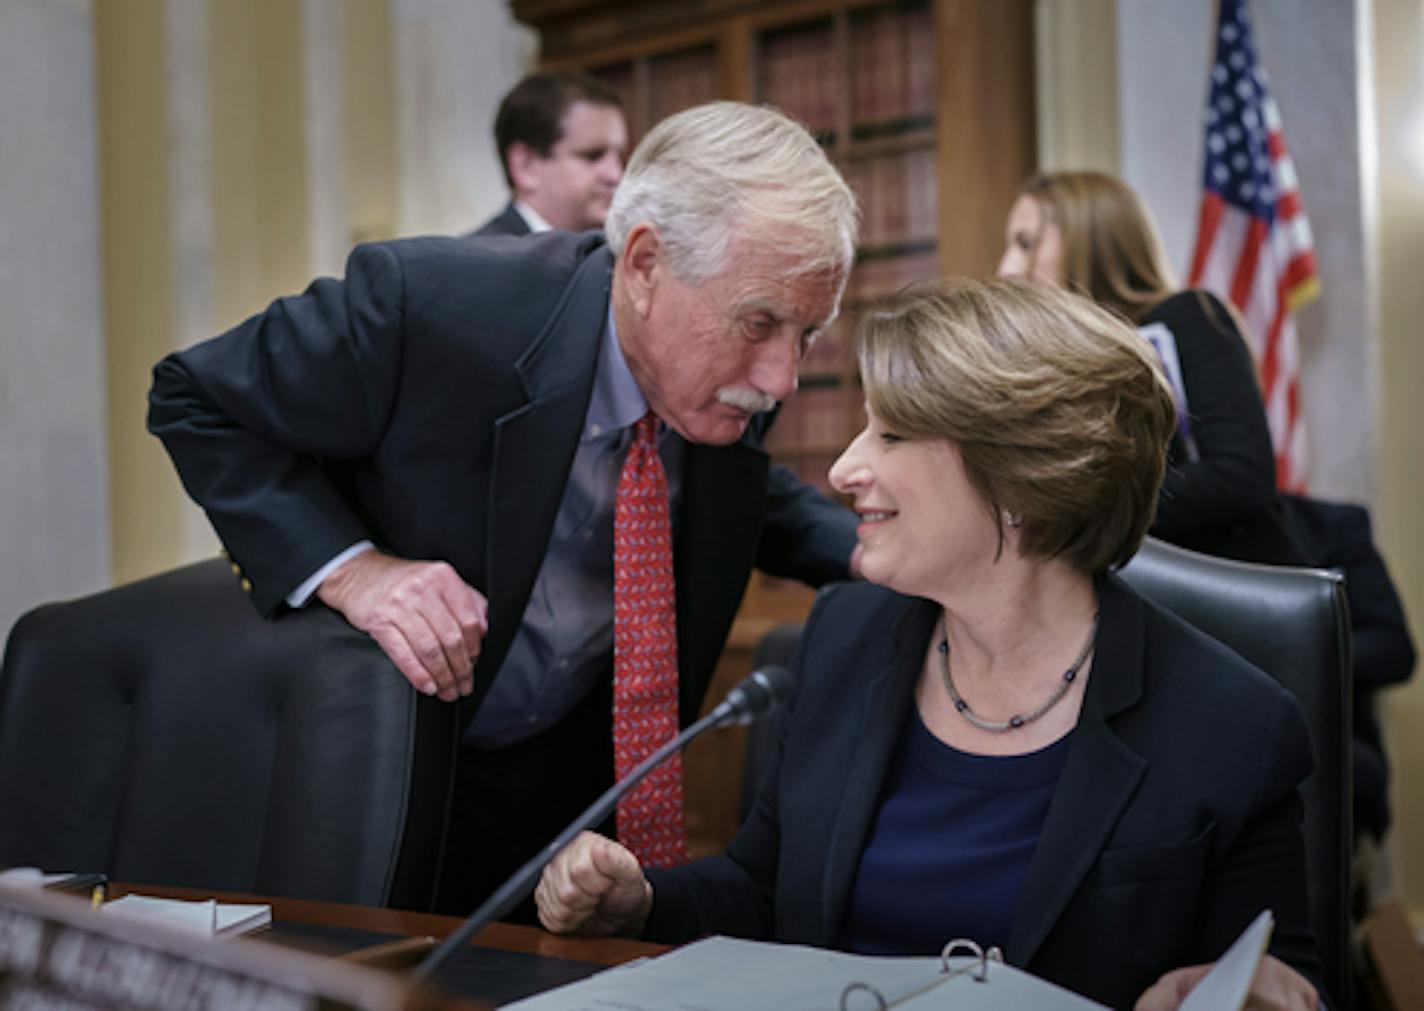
(215,919)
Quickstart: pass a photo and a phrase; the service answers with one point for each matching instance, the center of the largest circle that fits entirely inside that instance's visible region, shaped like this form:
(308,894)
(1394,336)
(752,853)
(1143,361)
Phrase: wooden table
(397,939)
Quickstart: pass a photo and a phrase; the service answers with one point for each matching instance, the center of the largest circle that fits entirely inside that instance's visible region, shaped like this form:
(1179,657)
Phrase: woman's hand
(594,886)
(1275,987)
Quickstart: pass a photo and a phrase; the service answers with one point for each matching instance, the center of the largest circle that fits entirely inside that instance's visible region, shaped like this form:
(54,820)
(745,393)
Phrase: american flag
(1253,242)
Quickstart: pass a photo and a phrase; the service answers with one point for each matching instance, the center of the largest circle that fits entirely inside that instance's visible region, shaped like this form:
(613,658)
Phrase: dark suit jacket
(506,222)
(1224,503)
(1175,822)
(433,402)
(1337,535)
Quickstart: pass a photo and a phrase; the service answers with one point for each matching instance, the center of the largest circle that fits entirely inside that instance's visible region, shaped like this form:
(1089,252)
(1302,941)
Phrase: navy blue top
(949,847)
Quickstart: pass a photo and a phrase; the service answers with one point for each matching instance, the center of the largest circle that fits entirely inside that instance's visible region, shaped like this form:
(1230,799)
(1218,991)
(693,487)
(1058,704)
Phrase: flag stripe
(1245,275)
(1254,244)
(1207,221)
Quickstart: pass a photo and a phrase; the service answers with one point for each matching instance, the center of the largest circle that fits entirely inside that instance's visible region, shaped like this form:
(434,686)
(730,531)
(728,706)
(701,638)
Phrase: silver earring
(1012,519)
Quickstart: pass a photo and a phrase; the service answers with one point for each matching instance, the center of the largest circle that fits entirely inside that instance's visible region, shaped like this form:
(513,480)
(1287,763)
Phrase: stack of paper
(216,919)
(723,974)
(61,882)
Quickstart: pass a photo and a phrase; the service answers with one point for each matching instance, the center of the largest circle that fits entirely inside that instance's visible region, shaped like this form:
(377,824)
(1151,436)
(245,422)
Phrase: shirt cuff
(298,598)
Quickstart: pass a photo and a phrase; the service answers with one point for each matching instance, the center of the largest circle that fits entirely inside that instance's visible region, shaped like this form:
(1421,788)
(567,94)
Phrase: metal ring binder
(862,988)
(981,971)
(978,970)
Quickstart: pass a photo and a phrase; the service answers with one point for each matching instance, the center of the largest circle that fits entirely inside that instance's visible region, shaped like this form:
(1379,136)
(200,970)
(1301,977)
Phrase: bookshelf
(926,106)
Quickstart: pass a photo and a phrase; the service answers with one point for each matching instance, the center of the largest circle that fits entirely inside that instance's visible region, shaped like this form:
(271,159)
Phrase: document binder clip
(862,988)
(977,969)
(980,971)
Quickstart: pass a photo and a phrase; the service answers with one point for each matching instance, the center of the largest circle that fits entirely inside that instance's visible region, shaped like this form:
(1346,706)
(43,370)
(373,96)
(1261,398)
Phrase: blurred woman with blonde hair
(1090,233)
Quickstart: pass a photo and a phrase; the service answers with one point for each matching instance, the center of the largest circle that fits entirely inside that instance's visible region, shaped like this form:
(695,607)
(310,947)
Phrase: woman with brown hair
(1090,233)
(994,736)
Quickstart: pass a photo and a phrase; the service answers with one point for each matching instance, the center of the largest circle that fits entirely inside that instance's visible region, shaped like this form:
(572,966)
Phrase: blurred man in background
(562,140)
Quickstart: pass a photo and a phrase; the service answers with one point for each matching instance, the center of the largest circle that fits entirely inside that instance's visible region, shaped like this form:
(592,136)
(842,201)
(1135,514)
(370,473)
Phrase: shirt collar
(532,218)
(616,402)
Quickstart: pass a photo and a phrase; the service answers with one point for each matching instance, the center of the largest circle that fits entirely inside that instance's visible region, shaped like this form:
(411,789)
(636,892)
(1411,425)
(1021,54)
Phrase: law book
(209,917)
(920,73)
(797,75)
(825,354)
(921,196)
(681,80)
(877,278)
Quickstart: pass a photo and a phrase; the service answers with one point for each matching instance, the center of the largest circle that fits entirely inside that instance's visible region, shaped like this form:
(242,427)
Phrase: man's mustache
(746,399)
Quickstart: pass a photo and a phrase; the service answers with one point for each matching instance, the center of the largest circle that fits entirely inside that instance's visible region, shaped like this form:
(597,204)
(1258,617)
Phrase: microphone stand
(733,709)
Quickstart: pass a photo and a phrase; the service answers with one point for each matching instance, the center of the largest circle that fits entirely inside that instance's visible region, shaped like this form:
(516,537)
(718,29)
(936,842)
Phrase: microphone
(755,696)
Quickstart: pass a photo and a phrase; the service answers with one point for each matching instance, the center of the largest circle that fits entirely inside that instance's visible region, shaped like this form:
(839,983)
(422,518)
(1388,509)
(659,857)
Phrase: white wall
(1311,59)
(454,60)
(1396,227)
(54,493)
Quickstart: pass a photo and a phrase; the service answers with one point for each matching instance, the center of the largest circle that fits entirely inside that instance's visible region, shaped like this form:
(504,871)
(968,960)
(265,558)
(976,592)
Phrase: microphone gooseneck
(755,696)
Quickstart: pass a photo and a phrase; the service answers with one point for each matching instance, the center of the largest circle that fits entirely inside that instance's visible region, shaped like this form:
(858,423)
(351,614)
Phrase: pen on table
(96,897)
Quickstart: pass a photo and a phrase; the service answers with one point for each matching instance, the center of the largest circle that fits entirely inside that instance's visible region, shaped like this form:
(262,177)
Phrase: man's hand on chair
(429,621)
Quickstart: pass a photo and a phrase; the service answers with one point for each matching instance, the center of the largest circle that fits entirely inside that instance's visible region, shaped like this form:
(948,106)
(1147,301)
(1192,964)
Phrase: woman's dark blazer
(1176,820)
(1223,503)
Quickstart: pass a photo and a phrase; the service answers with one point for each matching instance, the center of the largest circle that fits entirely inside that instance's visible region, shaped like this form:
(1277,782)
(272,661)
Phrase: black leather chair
(1294,624)
(164,733)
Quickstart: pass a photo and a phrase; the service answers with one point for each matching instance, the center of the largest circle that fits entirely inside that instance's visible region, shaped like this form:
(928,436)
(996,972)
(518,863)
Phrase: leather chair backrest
(164,733)
(1294,624)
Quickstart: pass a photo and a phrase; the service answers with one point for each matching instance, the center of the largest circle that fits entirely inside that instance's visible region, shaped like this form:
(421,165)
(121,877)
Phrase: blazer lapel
(886,702)
(723,504)
(1099,777)
(533,451)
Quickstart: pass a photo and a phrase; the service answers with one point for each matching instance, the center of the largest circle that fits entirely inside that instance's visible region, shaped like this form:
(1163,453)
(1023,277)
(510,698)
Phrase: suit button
(236,569)
(246,585)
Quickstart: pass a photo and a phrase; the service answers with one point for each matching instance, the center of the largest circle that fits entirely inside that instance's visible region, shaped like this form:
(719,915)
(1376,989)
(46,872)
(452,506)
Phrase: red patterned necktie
(650,819)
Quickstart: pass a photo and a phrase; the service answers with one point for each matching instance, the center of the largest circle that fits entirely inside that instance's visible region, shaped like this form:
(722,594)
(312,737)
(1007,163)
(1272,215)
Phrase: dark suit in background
(506,222)
(1175,820)
(432,402)
(1337,535)
(1223,503)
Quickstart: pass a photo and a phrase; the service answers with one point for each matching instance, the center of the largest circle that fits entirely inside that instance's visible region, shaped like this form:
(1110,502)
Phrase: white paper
(202,917)
(30,876)
(1226,986)
(724,974)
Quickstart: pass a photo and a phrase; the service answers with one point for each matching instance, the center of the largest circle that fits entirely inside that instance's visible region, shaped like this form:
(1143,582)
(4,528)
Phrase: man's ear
(641,264)
(520,159)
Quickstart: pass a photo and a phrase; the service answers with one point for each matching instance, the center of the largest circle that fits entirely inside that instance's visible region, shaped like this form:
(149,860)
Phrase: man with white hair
(501,457)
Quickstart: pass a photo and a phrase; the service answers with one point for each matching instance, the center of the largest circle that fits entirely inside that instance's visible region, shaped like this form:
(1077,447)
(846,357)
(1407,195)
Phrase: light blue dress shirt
(565,639)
